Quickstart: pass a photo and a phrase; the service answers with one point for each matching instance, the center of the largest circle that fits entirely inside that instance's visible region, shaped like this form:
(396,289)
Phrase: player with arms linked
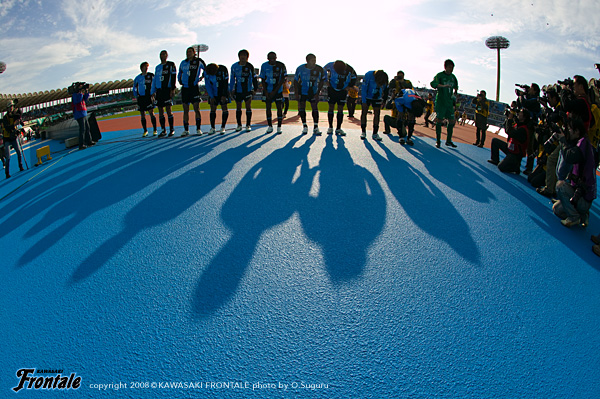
(144,94)
(189,76)
(374,93)
(217,86)
(165,75)
(309,81)
(243,82)
(273,75)
(340,76)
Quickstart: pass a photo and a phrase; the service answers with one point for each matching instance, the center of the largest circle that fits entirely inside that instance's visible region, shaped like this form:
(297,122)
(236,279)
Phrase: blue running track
(300,266)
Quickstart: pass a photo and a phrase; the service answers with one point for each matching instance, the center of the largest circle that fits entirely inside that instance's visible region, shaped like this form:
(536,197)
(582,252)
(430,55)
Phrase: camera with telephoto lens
(76,87)
(556,130)
(567,82)
(579,189)
(521,93)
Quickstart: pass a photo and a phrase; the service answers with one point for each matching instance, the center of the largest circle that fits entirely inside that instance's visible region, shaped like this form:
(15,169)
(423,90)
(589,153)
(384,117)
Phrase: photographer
(575,196)
(409,106)
(575,99)
(550,149)
(80,95)
(529,99)
(11,125)
(482,111)
(517,129)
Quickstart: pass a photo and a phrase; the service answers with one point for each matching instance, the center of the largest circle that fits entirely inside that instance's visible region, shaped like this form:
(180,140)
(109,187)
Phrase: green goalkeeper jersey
(444,94)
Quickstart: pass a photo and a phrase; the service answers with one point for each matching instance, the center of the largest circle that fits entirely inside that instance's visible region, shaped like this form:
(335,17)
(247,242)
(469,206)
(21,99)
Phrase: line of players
(309,79)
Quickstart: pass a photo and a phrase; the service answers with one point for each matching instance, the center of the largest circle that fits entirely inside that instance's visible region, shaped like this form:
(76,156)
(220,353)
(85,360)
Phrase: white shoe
(155,133)
(238,128)
(145,133)
(316,131)
(270,129)
(330,130)
(248,128)
(340,132)
(185,133)
(212,130)
(199,132)
(305,129)
(376,137)
(222,131)
(363,135)
(279,130)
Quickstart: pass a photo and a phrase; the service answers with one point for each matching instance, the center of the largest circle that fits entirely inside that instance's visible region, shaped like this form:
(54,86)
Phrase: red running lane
(462,134)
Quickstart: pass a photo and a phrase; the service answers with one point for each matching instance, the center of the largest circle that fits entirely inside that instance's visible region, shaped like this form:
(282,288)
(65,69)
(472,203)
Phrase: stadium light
(497,43)
(200,48)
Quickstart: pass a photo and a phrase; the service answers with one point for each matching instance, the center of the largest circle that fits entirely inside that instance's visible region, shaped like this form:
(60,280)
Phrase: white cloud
(7,5)
(219,12)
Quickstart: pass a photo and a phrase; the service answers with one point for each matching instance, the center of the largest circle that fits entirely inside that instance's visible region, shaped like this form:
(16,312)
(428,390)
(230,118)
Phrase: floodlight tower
(497,43)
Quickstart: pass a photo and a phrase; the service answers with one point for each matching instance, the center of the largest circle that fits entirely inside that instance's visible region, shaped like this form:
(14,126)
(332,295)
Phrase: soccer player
(340,76)
(309,81)
(142,91)
(165,75)
(242,85)
(217,86)
(374,93)
(189,76)
(447,87)
(409,106)
(273,75)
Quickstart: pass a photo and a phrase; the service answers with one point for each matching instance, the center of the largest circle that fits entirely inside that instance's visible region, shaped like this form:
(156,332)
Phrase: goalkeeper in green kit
(447,85)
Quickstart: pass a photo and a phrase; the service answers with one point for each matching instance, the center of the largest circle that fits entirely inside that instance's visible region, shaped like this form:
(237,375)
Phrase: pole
(498,79)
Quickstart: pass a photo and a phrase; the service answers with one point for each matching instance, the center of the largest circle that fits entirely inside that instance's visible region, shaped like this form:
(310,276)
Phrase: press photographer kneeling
(517,129)
(576,190)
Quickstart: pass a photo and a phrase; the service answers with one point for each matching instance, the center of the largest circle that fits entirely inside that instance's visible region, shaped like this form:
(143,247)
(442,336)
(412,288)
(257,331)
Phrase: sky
(50,44)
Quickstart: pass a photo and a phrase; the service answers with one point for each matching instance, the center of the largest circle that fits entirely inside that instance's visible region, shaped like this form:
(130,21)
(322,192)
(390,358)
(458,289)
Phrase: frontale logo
(28,380)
